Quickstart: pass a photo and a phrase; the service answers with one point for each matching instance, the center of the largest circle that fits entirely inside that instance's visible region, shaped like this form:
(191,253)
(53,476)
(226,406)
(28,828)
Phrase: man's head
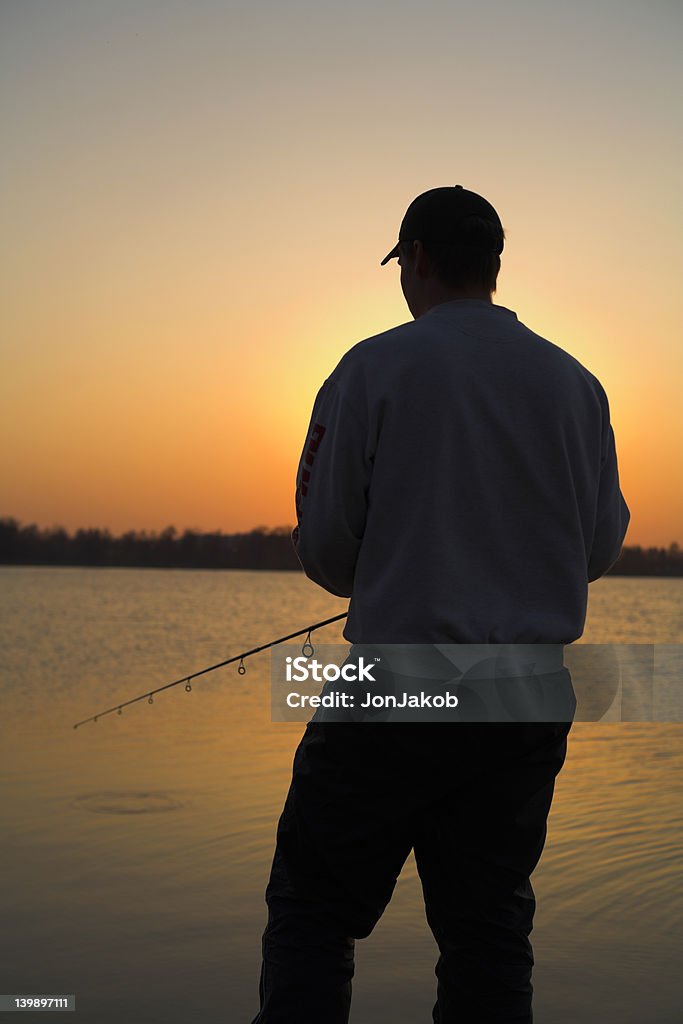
(449,247)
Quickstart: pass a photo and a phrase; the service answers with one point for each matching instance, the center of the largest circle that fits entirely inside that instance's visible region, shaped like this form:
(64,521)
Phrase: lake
(136,849)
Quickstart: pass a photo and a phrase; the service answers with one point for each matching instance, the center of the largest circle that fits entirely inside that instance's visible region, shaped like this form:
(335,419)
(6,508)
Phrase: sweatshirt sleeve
(612,516)
(331,492)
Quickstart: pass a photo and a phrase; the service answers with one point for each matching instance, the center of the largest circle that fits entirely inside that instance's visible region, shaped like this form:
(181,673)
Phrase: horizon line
(171,528)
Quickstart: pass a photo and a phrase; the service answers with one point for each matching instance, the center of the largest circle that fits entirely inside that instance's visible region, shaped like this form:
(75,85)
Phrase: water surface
(136,850)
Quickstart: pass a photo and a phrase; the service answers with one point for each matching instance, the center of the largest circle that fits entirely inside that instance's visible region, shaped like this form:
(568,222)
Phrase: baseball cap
(438,215)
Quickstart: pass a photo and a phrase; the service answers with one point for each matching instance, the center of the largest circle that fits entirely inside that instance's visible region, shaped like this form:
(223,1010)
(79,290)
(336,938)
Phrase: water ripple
(104,802)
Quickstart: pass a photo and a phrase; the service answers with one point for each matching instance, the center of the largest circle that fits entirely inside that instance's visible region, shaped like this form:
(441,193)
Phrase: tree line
(260,548)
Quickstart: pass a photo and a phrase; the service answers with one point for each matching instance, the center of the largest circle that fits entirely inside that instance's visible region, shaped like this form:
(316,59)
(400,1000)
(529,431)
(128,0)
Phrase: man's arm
(331,492)
(612,517)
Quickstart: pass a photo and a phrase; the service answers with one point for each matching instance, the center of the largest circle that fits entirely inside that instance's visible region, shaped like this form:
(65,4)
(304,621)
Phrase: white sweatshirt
(459,483)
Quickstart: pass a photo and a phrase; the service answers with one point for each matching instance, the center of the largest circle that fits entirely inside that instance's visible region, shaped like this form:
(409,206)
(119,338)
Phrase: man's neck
(440,297)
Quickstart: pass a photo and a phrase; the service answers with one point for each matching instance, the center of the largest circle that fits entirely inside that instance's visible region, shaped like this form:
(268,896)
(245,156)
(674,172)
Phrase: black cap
(437,216)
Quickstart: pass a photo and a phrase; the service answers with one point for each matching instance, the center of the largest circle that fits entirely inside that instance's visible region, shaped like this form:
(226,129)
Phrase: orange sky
(196,199)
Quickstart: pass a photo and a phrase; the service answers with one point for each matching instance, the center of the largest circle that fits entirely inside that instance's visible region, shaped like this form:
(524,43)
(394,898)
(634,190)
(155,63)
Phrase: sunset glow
(196,199)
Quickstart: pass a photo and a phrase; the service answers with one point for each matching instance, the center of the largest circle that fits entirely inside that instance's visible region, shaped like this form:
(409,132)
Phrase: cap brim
(390,256)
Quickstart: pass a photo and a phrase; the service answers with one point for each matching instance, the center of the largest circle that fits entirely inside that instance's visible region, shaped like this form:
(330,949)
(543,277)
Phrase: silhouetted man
(459,484)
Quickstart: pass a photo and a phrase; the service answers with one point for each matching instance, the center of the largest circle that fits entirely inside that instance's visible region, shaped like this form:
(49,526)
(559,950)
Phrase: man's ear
(423,265)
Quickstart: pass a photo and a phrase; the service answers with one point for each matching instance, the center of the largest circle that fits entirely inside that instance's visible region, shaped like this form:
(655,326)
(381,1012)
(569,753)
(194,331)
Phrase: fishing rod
(307,649)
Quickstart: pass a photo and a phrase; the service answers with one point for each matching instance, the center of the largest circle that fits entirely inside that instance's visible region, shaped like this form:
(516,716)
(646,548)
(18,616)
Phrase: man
(459,484)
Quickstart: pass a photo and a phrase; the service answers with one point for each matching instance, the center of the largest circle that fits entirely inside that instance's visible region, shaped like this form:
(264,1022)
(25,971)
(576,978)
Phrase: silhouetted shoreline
(261,548)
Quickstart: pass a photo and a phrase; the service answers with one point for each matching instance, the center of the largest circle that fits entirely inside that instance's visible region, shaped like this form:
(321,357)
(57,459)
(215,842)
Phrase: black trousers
(472,800)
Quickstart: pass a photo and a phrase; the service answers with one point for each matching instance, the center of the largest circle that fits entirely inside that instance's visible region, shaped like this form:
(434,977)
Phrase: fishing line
(307,649)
